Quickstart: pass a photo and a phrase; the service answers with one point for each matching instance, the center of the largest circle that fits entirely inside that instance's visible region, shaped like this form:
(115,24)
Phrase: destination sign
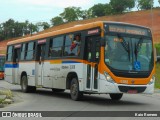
(129,30)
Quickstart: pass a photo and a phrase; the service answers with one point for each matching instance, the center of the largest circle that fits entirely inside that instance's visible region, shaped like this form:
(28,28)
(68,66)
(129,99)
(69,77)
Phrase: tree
(8,28)
(98,10)
(108,9)
(71,14)
(119,6)
(159,1)
(145,4)
(41,26)
(57,20)
(87,14)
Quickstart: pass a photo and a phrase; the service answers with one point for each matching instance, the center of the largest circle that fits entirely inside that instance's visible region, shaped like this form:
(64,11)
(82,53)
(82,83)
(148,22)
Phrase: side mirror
(103,42)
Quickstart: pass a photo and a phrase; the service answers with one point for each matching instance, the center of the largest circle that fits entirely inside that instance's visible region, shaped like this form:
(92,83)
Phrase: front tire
(24,85)
(74,90)
(116,96)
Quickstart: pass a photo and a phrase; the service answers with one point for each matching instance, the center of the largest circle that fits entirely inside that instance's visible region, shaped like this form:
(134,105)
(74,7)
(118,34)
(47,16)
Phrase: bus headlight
(108,77)
(152,80)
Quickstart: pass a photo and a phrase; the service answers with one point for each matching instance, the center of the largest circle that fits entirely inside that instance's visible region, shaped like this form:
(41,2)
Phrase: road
(46,100)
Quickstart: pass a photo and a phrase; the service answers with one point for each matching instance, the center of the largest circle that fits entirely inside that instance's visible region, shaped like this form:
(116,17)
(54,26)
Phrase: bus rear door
(40,63)
(15,70)
(92,54)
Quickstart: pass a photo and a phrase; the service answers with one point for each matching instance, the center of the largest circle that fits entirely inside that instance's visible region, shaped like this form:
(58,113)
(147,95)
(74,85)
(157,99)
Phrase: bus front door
(15,70)
(39,65)
(92,56)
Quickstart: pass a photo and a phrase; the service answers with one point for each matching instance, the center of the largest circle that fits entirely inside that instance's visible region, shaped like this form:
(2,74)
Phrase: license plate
(132,91)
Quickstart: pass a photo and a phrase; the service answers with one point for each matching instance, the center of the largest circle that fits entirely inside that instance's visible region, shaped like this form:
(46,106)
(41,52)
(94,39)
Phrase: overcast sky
(41,10)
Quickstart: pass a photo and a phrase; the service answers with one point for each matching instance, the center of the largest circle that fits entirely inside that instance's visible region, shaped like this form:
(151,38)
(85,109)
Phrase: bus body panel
(47,79)
(29,69)
(8,75)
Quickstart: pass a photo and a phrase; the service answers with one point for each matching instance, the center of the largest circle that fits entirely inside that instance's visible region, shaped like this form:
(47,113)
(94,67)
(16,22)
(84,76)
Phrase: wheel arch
(22,74)
(69,78)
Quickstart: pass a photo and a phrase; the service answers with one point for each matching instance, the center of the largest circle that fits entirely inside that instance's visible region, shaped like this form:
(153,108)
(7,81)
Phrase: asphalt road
(46,100)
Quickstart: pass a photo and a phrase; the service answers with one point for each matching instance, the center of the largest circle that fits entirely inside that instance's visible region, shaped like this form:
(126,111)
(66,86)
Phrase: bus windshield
(2,60)
(128,53)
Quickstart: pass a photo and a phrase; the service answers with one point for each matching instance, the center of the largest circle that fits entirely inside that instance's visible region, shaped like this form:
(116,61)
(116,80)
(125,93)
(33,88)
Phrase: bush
(158,49)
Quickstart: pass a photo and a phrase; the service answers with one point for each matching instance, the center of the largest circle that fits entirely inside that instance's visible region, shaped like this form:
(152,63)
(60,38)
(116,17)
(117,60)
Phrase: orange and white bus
(2,61)
(107,58)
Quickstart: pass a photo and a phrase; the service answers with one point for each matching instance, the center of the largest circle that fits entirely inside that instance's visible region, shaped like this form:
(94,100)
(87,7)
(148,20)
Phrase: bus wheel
(24,85)
(116,96)
(74,90)
(57,90)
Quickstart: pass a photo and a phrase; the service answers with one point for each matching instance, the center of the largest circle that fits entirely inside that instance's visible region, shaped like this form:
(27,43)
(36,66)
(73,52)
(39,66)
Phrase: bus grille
(125,89)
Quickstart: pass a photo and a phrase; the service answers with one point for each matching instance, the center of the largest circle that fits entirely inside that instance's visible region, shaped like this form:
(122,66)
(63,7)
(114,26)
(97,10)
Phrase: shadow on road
(91,99)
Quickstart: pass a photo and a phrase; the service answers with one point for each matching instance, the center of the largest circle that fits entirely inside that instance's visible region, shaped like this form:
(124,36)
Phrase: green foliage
(71,14)
(87,14)
(41,26)
(158,49)
(157,82)
(99,10)
(57,20)
(119,6)
(6,92)
(159,1)
(145,4)
(12,29)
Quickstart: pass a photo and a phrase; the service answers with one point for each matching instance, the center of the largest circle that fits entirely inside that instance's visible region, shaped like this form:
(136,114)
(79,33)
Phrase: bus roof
(123,23)
(58,32)
(67,30)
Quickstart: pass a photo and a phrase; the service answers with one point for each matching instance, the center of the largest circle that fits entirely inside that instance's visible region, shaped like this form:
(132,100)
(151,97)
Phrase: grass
(8,94)
(157,83)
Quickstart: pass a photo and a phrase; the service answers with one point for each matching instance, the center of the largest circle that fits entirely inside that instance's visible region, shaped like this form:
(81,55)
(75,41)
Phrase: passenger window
(9,53)
(56,47)
(23,52)
(68,51)
(72,45)
(30,51)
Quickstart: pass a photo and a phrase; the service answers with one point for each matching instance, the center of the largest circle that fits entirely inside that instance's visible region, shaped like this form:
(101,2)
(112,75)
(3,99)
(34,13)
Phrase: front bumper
(107,87)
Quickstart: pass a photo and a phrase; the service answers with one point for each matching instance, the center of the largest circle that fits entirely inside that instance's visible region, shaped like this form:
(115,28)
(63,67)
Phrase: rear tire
(116,96)
(74,90)
(24,85)
(57,90)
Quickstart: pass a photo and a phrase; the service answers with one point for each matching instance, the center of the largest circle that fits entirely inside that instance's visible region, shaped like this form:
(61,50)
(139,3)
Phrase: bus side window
(50,52)
(75,46)
(22,52)
(57,46)
(30,51)
(9,53)
(67,46)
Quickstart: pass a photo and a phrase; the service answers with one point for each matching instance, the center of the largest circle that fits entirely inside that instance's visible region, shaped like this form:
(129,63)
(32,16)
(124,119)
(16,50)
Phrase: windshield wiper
(125,45)
(138,47)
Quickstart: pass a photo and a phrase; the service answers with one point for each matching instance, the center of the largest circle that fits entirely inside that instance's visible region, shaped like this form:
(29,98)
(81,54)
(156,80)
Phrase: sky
(42,10)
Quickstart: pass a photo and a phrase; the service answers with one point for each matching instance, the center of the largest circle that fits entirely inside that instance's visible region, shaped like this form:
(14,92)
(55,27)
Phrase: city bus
(107,58)
(2,61)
